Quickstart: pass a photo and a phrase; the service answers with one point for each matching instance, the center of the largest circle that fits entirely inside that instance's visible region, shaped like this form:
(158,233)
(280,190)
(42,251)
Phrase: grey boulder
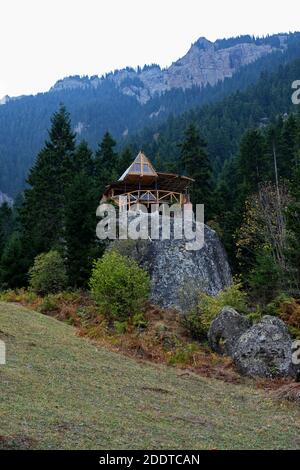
(174,270)
(178,273)
(265,350)
(226,329)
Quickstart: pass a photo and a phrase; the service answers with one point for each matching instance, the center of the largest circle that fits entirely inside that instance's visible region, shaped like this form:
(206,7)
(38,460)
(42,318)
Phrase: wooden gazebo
(141,183)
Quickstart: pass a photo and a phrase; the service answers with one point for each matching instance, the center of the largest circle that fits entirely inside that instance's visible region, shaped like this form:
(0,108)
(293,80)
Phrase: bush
(288,309)
(274,308)
(198,321)
(121,327)
(49,304)
(183,354)
(18,295)
(48,274)
(119,286)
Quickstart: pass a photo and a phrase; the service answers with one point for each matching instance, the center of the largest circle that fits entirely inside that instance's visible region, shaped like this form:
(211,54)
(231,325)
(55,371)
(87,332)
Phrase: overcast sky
(44,40)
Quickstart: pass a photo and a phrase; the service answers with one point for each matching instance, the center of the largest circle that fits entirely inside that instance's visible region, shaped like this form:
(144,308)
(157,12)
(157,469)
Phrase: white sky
(44,40)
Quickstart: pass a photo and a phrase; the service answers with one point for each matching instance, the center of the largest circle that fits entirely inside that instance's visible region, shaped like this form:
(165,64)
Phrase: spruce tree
(13,264)
(6,224)
(80,218)
(195,163)
(106,163)
(252,163)
(228,207)
(43,210)
(83,159)
(293,225)
(124,161)
(288,148)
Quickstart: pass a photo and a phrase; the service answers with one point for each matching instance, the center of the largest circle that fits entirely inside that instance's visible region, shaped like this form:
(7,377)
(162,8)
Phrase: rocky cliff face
(205,63)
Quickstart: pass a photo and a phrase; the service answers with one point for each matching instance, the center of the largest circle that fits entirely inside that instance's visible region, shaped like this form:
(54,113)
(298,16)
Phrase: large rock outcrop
(174,269)
(265,350)
(226,329)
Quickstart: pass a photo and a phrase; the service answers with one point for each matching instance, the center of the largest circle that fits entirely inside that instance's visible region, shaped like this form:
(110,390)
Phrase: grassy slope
(60,391)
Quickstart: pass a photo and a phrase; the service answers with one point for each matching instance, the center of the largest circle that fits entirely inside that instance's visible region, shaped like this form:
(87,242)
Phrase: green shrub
(49,304)
(48,274)
(255,316)
(294,332)
(120,327)
(198,321)
(274,308)
(183,354)
(139,320)
(287,309)
(18,295)
(119,286)
(264,278)
(86,315)
(192,323)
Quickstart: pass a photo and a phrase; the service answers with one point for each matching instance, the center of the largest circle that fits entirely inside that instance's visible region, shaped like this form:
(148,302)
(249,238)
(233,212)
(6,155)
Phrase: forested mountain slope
(222,124)
(115,104)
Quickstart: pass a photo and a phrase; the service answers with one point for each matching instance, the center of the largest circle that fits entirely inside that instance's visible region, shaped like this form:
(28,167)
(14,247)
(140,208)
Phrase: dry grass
(290,392)
(62,391)
(163,341)
(290,313)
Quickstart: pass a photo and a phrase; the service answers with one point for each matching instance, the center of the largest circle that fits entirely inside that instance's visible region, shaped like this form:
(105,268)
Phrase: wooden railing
(148,197)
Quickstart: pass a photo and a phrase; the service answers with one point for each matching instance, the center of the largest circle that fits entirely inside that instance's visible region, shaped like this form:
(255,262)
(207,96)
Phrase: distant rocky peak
(205,63)
(203,44)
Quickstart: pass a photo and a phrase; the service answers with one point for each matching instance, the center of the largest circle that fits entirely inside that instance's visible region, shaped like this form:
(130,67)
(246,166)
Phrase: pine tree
(13,265)
(125,160)
(2,242)
(228,207)
(195,163)
(252,164)
(106,162)
(288,147)
(43,210)
(293,225)
(83,159)
(80,219)
(6,224)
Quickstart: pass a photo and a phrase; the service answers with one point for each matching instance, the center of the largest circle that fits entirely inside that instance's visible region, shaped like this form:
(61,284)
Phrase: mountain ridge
(223,122)
(205,63)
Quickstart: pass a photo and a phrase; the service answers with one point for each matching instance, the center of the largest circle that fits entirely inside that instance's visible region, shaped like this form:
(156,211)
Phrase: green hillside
(61,391)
